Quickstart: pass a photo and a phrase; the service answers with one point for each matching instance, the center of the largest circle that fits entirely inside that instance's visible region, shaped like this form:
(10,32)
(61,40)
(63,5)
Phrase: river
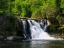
(33,44)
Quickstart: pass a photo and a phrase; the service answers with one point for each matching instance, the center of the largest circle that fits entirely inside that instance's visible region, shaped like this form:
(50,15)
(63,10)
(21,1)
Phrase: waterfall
(38,30)
(35,29)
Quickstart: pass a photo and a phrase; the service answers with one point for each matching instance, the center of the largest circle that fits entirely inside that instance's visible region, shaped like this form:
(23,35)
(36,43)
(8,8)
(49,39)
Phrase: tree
(3,6)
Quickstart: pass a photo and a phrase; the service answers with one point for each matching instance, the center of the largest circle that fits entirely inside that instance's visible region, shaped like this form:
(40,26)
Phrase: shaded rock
(12,38)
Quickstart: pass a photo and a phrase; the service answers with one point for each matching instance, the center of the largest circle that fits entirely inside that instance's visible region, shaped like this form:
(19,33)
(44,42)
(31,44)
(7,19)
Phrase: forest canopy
(32,8)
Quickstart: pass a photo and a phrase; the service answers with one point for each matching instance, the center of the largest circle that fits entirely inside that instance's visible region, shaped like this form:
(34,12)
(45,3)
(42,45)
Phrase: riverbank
(56,35)
(11,38)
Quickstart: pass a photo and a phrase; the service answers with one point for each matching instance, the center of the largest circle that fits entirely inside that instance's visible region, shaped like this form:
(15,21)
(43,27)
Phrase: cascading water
(37,32)
(24,27)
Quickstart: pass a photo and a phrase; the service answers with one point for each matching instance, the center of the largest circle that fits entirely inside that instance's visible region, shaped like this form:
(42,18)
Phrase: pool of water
(33,44)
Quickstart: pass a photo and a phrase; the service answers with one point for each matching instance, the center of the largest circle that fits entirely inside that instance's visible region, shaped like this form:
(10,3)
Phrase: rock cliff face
(23,28)
(6,25)
(3,22)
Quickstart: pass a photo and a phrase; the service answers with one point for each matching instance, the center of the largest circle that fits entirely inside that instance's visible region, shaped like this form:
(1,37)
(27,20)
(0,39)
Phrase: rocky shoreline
(11,38)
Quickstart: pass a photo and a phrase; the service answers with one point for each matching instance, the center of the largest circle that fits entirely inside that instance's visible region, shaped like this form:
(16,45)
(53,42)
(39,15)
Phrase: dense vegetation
(53,10)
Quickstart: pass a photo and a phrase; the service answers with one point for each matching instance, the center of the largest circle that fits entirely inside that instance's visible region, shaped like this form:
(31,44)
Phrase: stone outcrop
(20,30)
(7,25)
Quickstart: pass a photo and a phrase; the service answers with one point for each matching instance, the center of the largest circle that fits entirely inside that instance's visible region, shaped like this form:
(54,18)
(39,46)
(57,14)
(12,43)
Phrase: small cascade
(38,30)
(43,24)
(32,29)
(24,28)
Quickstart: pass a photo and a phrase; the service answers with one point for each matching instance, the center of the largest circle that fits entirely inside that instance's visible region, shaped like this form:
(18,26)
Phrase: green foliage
(52,28)
(1,11)
(30,8)
(3,6)
(54,20)
(62,27)
(60,20)
(62,6)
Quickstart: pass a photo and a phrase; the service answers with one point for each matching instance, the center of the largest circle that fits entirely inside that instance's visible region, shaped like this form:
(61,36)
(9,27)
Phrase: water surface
(33,44)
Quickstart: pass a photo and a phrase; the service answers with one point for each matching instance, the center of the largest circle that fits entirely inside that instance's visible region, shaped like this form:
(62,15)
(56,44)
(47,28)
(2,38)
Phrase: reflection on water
(39,44)
(32,44)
